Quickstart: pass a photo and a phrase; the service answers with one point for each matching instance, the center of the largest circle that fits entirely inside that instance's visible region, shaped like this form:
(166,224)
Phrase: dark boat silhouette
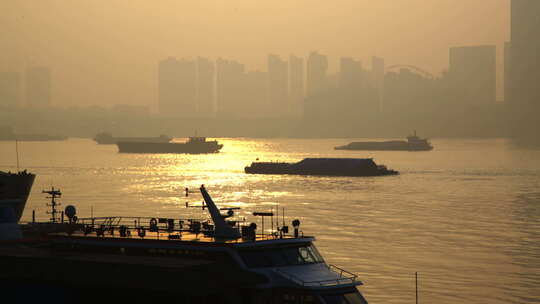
(322,166)
(14,190)
(413,143)
(105,138)
(220,258)
(194,145)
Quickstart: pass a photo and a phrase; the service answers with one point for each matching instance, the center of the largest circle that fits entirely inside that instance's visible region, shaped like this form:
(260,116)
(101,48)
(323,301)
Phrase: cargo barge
(322,166)
(105,138)
(194,145)
(413,143)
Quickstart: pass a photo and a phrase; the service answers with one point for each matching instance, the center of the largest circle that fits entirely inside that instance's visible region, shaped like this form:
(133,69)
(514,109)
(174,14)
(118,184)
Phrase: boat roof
(348,161)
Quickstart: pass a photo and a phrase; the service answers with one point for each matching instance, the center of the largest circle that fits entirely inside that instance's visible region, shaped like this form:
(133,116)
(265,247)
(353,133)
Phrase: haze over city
(106,52)
(270,152)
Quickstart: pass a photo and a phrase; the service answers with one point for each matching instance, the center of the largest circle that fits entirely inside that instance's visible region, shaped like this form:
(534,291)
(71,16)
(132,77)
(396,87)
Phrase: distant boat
(194,145)
(413,143)
(105,138)
(322,166)
(7,134)
(14,190)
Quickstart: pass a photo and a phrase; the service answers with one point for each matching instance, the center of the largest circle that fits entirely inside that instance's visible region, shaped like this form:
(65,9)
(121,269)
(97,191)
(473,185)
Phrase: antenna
(17,152)
(54,193)
(416,283)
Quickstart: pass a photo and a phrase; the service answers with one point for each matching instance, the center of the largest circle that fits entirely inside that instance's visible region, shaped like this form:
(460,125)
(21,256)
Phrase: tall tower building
(316,78)
(278,86)
(507,69)
(9,89)
(255,86)
(205,86)
(296,84)
(472,74)
(524,90)
(350,74)
(377,71)
(177,87)
(168,92)
(187,84)
(229,88)
(38,87)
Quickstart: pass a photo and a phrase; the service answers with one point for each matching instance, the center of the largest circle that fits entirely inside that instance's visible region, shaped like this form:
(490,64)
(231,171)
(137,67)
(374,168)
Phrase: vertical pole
(416,283)
(17,152)
(33,216)
(62,217)
(277,217)
(272,220)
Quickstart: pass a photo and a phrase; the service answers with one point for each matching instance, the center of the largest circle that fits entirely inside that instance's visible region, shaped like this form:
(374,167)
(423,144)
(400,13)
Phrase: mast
(222,229)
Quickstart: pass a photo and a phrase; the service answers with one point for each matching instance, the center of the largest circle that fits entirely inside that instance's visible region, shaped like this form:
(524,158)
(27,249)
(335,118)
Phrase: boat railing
(343,277)
(149,227)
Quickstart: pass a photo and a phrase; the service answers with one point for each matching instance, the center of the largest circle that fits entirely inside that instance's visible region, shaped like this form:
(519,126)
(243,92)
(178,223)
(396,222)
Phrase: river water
(465,216)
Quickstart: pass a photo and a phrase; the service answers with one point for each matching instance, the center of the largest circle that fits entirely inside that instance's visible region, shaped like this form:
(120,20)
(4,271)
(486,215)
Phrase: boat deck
(131,229)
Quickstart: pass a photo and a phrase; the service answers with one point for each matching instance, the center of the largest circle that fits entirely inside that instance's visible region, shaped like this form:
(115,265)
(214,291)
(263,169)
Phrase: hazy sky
(106,52)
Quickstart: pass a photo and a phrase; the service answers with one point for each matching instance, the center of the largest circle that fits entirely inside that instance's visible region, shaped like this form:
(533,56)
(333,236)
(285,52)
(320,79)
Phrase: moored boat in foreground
(322,166)
(192,260)
(194,145)
(413,143)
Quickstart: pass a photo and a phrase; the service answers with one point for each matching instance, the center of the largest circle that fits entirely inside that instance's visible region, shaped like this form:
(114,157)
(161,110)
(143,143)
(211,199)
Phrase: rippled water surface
(466,215)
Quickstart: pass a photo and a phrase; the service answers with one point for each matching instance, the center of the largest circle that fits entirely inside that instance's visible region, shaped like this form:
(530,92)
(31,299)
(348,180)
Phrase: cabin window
(334,299)
(348,298)
(355,298)
(281,256)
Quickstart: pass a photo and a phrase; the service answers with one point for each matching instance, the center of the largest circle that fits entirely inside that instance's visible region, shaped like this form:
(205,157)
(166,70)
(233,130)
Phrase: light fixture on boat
(296,225)
(70,211)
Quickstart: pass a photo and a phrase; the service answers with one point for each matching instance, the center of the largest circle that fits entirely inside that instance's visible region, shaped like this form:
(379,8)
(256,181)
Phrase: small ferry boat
(216,260)
(413,143)
(14,190)
(194,145)
(322,166)
(105,138)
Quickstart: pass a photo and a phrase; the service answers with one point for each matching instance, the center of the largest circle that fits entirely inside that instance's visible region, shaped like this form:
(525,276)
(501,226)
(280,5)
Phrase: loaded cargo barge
(322,166)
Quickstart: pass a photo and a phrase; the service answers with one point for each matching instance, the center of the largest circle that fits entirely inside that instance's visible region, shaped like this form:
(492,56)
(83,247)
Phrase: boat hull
(145,147)
(115,140)
(385,146)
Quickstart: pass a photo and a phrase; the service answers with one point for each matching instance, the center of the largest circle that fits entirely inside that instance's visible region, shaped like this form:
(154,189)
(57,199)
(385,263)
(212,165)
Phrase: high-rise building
(9,89)
(229,86)
(350,74)
(187,84)
(205,86)
(507,73)
(296,84)
(316,78)
(472,74)
(377,72)
(168,92)
(38,87)
(278,86)
(524,90)
(177,87)
(255,85)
